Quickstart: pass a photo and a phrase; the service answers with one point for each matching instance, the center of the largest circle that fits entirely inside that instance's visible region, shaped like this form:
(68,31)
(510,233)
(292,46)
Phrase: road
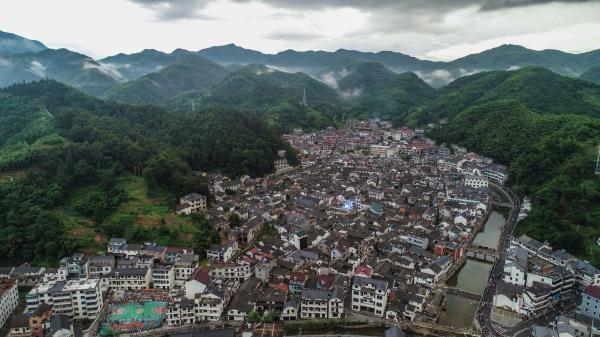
(484,310)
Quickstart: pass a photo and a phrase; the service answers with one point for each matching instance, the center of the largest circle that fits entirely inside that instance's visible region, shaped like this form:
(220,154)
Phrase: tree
(270,316)
(253,317)
(234,220)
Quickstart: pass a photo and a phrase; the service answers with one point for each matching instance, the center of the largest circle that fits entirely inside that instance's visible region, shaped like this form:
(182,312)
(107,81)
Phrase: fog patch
(331,78)
(351,93)
(514,67)
(5,62)
(441,77)
(37,69)
(107,69)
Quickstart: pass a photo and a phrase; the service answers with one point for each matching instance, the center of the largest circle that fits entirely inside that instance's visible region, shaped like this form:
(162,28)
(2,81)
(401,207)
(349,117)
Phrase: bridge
(501,204)
(463,293)
(481,253)
(433,329)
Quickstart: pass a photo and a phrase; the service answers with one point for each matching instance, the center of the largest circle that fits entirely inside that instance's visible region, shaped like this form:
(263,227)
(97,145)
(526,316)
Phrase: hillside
(189,72)
(16,44)
(88,169)
(396,101)
(133,66)
(551,158)
(273,95)
(592,74)
(536,88)
(62,65)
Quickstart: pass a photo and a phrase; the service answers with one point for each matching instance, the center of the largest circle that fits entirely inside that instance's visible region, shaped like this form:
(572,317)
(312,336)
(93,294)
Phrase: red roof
(593,291)
(202,275)
(365,270)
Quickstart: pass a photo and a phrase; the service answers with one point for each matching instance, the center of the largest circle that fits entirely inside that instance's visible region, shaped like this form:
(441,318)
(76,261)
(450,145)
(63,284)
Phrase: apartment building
(77,299)
(163,276)
(369,295)
(231,271)
(476,181)
(129,279)
(9,299)
(314,304)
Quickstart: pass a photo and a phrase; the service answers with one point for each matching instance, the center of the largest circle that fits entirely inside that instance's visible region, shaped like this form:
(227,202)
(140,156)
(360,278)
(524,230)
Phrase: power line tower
(598,161)
(304,104)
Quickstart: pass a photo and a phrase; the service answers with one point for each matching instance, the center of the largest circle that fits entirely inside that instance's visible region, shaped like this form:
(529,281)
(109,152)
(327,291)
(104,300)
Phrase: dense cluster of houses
(367,226)
(536,278)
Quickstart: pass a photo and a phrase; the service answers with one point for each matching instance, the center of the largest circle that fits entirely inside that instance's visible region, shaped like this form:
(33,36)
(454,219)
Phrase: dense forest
(63,140)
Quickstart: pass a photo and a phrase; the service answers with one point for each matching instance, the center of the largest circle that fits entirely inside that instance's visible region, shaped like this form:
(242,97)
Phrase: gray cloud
(291,36)
(186,9)
(175,9)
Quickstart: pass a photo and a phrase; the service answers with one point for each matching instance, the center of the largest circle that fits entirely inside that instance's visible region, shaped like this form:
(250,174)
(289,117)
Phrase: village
(368,228)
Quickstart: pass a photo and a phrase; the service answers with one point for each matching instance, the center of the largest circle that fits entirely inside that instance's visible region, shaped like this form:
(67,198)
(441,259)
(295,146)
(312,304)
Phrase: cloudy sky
(431,29)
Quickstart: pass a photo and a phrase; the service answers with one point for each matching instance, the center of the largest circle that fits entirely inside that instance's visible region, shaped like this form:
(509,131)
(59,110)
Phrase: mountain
(16,44)
(363,78)
(189,72)
(274,95)
(536,88)
(592,74)
(63,65)
(232,54)
(133,66)
(395,99)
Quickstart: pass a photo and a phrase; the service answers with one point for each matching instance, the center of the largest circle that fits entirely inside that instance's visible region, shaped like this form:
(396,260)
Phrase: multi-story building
(75,266)
(231,271)
(191,203)
(9,299)
(184,268)
(163,276)
(223,252)
(314,304)
(181,312)
(129,279)
(476,181)
(369,295)
(209,305)
(77,299)
(590,302)
(336,303)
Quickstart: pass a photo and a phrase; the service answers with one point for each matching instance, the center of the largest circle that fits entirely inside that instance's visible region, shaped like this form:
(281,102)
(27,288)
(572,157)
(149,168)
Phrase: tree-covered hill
(66,142)
(396,101)
(537,89)
(592,74)
(133,66)
(16,44)
(189,72)
(274,95)
(551,158)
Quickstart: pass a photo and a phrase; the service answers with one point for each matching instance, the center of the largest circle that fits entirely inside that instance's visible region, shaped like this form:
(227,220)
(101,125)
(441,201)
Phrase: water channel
(472,277)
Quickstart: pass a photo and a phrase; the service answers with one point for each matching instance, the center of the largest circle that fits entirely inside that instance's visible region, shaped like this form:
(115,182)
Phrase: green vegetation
(592,74)
(551,158)
(86,161)
(189,72)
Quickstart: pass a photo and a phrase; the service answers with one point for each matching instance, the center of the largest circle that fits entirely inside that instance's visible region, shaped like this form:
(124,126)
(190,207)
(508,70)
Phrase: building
(163,276)
(181,312)
(231,271)
(590,302)
(369,295)
(223,252)
(209,305)
(9,299)
(382,151)
(476,181)
(191,203)
(129,279)
(314,304)
(76,299)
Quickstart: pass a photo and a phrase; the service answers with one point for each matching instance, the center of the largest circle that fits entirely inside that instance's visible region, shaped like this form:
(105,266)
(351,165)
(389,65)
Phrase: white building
(182,312)
(191,203)
(476,181)
(129,279)
(209,305)
(9,299)
(231,271)
(77,299)
(314,304)
(163,276)
(382,151)
(369,295)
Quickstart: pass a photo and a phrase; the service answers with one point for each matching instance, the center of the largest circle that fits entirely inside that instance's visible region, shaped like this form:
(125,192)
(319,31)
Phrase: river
(472,277)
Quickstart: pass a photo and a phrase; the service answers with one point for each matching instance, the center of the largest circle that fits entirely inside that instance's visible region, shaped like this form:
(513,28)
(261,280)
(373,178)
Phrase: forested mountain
(397,100)
(63,141)
(274,95)
(536,88)
(16,44)
(62,65)
(551,158)
(132,66)
(592,74)
(189,72)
